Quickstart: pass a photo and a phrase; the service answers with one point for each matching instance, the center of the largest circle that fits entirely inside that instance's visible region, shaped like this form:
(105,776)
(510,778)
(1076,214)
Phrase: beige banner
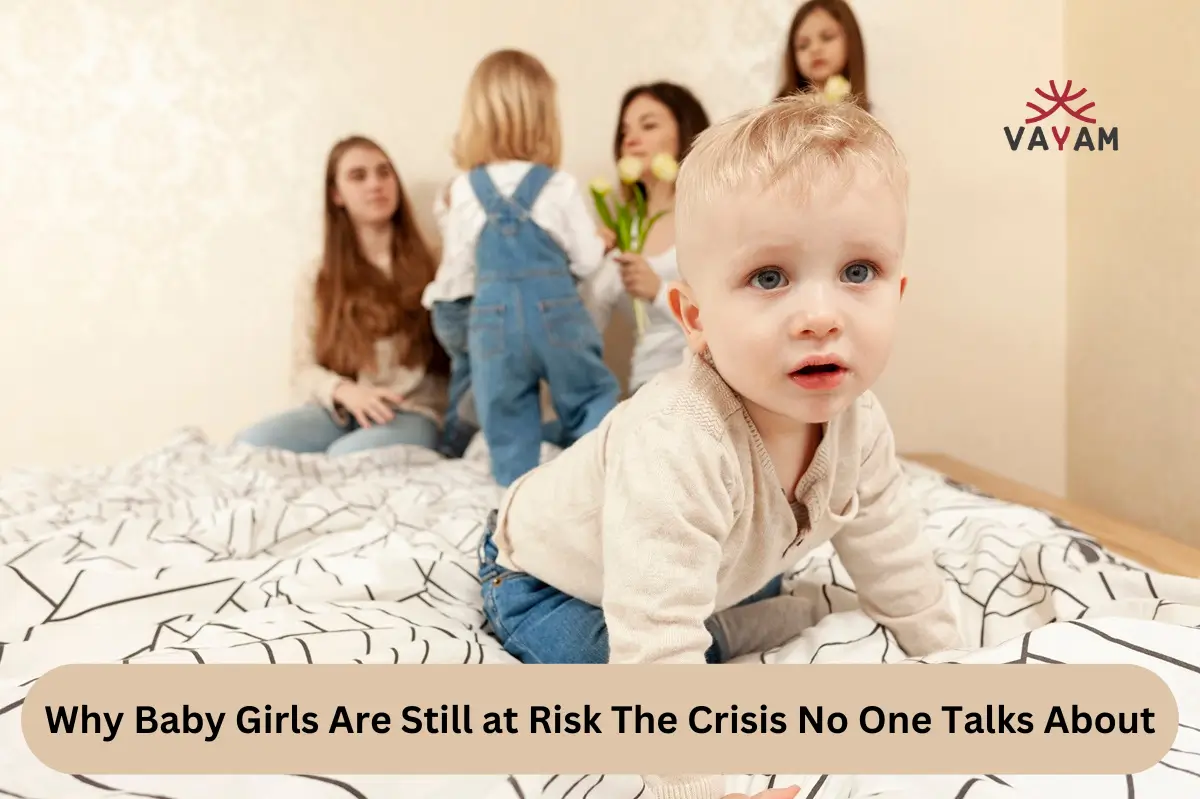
(435,719)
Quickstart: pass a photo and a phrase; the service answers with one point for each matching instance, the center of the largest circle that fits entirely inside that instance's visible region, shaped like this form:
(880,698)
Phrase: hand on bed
(367,404)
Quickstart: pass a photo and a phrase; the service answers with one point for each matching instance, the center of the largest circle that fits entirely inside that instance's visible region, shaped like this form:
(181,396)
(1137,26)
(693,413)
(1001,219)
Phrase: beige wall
(1134,267)
(161,186)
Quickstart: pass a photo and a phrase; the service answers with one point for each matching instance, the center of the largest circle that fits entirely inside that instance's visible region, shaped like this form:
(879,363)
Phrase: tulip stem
(630,221)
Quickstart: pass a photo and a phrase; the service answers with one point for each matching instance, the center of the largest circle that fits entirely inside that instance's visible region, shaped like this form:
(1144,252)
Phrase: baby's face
(796,300)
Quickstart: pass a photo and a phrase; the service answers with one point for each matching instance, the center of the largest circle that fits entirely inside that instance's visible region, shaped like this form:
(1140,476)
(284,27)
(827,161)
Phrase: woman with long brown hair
(364,357)
(824,40)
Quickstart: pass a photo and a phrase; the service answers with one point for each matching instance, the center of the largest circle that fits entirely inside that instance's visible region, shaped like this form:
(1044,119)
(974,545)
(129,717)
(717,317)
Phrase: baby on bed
(661,536)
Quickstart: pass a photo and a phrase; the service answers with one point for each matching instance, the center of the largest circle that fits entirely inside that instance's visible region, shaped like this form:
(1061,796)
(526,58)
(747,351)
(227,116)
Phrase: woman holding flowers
(655,129)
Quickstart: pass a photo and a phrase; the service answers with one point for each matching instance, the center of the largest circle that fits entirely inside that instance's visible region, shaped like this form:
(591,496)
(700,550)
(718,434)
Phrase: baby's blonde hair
(509,113)
(800,138)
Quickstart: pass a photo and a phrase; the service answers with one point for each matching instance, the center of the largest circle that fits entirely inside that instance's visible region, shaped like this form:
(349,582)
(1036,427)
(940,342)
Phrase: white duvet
(204,553)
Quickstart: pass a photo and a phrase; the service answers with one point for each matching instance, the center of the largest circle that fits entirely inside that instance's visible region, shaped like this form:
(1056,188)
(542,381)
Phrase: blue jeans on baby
(537,623)
(311,428)
(528,324)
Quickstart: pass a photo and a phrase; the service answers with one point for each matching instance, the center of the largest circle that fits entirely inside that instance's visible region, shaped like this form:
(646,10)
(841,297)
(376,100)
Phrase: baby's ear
(687,314)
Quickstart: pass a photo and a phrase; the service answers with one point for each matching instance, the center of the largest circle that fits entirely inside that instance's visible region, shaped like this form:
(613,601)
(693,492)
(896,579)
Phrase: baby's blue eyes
(769,279)
(858,273)
(772,278)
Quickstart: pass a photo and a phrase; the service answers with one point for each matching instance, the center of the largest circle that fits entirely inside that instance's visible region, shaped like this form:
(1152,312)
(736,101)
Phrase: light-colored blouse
(423,393)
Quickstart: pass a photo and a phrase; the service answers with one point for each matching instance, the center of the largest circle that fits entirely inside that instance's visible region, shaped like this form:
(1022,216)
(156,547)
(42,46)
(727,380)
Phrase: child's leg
(584,389)
(505,389)
(537,623)
(450,321)
(552,433)
(763,621)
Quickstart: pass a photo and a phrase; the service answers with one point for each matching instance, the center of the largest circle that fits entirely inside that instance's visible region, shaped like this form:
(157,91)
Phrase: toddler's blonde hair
(509,113)
(801,139)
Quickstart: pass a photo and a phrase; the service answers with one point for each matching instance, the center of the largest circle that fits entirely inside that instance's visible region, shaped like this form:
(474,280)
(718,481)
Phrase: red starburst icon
(1060,101)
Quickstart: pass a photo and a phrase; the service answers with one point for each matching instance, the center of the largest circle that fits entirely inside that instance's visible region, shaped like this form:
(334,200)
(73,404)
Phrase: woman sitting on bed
(364,357)
(655,118)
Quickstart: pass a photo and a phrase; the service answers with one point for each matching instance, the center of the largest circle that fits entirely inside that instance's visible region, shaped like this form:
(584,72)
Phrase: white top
(561,210)
(662,344)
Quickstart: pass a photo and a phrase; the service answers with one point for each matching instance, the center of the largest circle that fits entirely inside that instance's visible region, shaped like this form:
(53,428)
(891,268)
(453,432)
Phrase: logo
(1088,135)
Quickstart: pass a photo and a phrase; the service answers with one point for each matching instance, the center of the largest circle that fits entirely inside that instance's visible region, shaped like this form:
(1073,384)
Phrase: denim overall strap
(521,203)
(493,202)
(531,186)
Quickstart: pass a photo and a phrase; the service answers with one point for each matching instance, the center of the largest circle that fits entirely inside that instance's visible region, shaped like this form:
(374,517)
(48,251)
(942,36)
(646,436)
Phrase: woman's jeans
(537,623)
(311,428)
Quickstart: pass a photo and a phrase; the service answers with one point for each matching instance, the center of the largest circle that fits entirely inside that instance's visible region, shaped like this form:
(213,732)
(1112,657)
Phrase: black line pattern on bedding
(208,554)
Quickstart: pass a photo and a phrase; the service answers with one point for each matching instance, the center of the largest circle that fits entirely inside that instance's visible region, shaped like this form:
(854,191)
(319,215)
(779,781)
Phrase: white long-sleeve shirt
(561,210)
(662,344)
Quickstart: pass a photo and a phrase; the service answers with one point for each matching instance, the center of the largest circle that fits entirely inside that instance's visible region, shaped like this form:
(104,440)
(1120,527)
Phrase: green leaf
(603,210)
(640,199)
(645,227)
(653,219)
(624,220)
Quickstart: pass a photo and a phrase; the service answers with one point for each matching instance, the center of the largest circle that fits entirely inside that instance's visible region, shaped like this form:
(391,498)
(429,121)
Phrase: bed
(199,552)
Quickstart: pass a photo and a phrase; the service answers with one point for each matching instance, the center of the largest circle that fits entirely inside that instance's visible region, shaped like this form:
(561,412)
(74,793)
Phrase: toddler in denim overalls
(505,303)
(528,323)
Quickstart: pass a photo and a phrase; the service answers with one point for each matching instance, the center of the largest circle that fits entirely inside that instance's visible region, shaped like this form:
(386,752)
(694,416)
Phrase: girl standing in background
(363,353)
(823,41)
(655,118)
(518,235)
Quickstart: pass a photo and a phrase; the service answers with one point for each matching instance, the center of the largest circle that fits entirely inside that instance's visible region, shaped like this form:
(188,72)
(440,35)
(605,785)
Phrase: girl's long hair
(856,58)
(357,303)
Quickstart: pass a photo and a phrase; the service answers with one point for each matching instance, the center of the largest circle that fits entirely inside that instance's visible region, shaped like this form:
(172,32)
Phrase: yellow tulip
(836,88)
(630,169)
(664,167)
(601,186)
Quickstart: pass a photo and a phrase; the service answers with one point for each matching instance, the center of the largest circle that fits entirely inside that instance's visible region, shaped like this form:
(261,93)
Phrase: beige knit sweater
(423,394)
(671,510)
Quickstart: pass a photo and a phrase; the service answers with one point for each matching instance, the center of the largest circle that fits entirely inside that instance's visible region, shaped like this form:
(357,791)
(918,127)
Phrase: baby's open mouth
(820,376)
(815,369)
